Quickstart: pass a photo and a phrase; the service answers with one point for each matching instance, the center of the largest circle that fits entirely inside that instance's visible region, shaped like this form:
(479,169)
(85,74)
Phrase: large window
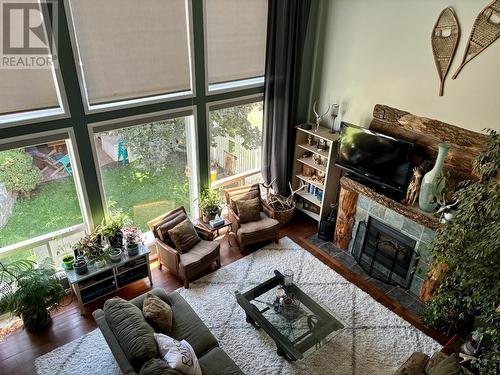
(28,74)
(146,169)
(37,192)
(235,138)
(236,42)
(130,49)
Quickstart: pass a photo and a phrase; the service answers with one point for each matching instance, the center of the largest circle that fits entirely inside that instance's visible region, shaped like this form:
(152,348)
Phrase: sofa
(420,364)
(186,325)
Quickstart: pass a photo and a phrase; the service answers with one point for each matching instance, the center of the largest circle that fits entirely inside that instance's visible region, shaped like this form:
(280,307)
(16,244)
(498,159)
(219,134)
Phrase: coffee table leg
(250,320)
(281,353)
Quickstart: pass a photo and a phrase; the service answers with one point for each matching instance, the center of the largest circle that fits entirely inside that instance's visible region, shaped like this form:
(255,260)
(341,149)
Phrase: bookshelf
(315,199)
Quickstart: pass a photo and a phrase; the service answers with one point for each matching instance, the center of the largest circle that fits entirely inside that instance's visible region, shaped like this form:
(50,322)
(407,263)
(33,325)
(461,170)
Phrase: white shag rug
(374,340)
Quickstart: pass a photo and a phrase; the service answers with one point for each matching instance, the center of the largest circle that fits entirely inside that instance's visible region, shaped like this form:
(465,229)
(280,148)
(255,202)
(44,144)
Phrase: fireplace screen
(384,253)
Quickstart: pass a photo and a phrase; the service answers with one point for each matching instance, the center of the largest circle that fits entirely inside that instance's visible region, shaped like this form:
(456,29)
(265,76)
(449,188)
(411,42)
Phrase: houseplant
(469,246)
(67,262)
(209,201)
(90,247)
(111,229)
(30,292)
(114,254)
(133,239)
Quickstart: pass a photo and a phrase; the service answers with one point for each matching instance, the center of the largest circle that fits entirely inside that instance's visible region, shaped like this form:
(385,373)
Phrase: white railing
(240,178)
(49,245)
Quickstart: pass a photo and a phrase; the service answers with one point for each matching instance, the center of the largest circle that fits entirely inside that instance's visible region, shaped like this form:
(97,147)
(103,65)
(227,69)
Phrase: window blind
(132,49)
(22,88)
(236,39)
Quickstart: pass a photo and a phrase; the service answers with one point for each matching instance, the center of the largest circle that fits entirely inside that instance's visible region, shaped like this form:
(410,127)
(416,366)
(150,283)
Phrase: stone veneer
(367,207)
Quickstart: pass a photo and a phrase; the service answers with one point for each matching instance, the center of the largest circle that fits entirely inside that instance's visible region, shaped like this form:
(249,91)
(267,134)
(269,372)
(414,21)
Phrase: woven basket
(285,216)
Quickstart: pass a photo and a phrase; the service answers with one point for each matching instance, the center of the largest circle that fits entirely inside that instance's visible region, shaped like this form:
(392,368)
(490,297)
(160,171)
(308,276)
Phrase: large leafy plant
(210,200)
(469,246)
(18,173)
(29,292)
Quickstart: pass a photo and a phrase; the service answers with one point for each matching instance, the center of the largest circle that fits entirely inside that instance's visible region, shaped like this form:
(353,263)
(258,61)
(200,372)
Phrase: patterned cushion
(249,209)
(184,236)
(158,313)
(168,223)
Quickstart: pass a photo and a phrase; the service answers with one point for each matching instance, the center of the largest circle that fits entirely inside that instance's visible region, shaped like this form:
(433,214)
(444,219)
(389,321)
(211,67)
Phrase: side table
(215,230)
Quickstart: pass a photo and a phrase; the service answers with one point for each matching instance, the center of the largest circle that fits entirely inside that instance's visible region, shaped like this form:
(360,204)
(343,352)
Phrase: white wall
(379,51)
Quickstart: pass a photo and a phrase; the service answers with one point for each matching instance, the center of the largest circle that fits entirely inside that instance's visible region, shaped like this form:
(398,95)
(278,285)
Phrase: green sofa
(186,326)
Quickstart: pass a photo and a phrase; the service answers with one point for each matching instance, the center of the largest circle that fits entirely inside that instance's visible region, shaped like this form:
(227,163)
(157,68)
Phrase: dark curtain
(286,32)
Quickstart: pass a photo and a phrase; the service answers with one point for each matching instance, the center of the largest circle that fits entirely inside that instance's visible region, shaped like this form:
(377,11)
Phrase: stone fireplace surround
(367,207)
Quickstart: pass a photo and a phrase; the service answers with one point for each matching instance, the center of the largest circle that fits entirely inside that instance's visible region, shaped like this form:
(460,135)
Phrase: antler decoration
(319,117)
(267,186)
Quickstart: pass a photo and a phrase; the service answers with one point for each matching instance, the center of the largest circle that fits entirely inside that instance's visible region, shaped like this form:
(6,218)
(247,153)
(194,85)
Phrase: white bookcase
(316,198)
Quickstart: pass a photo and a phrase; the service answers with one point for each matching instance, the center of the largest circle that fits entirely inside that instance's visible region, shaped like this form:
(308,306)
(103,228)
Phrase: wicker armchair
(265,229)
(184,265)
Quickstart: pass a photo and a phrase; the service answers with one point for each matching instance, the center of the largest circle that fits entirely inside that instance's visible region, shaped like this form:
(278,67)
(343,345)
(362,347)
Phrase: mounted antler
(319,117)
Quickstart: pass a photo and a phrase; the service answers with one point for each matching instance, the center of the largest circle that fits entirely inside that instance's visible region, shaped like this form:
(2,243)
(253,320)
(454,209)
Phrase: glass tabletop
(291,318)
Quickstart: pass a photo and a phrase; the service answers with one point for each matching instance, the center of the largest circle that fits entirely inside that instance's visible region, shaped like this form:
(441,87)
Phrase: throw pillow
(248,210)
(157,312)
(184,236)
(134,334)
(448,366)
(157,366)
(168,223)
(240,197)
(179,355)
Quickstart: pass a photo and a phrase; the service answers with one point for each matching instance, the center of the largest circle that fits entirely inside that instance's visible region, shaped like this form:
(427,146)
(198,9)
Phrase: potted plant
(111,229)
(133,239)
(90,247)
(114,254)
(210,201)
(80,265)
(30,292)
(67,262)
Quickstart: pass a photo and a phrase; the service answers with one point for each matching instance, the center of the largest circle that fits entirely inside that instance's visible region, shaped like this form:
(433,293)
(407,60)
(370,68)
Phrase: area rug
(374,340)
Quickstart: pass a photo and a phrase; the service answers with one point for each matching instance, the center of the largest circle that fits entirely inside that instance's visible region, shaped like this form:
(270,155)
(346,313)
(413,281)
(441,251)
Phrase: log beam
(345,218)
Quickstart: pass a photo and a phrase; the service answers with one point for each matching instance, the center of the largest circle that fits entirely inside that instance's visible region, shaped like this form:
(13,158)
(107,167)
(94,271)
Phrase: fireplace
(385,253)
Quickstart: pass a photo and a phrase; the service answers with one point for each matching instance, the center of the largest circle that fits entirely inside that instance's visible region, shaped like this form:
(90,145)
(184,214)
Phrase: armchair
(188,264)
(267,228)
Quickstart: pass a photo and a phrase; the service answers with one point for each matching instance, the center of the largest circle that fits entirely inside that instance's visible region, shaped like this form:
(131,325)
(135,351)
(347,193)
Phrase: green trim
(80,121)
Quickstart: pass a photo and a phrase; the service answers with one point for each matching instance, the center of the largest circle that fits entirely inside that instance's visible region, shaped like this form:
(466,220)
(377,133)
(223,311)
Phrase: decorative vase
(132,249)
(433,182)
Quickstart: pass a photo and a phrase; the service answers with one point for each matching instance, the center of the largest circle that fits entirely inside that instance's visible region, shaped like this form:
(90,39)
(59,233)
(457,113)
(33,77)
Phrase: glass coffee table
(296,323)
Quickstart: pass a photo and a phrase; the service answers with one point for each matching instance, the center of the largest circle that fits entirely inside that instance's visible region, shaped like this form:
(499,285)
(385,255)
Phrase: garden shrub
(18,173)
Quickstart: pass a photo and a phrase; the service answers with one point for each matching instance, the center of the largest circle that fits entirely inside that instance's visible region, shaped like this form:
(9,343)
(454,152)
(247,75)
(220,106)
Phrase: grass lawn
(54,205)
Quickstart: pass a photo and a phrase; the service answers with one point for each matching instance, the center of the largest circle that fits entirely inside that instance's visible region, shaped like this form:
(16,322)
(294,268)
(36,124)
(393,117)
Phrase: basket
(284,216)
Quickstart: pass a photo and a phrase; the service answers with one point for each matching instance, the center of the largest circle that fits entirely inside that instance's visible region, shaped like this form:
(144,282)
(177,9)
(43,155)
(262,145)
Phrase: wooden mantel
(411,212)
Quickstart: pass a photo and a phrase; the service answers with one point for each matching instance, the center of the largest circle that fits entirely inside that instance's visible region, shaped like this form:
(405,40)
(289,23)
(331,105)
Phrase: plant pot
(67,262)
(36,322)
(80,267)
(100,263)
(116,241)
(207,215)
(132,249)
(115,255)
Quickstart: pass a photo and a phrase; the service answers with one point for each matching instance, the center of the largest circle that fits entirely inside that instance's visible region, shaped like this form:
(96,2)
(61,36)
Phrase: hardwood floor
(19,350)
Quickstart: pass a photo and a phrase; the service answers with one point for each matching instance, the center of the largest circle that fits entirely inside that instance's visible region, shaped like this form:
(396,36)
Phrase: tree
(469,246)
(18,173)
(155,143)
(234,121)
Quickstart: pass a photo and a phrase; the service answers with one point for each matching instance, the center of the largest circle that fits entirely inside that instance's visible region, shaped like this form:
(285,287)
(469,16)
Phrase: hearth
(385,253)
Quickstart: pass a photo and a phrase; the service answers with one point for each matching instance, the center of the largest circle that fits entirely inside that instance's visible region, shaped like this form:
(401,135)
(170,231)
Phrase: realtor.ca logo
(26,43)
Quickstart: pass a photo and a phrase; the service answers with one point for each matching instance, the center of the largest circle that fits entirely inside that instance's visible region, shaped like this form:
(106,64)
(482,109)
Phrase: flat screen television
(376,158)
